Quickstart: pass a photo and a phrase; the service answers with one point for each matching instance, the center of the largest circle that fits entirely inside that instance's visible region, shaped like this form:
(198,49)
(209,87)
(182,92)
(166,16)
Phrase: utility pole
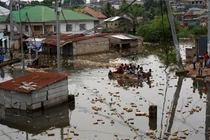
(11,27)
(208,39)
(21,40)
(173,30)
(58,10)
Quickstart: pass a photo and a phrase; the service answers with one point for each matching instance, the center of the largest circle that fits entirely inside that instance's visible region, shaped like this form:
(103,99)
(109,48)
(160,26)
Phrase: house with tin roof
(77,44)
(93,13)
(117,24)
(39,20)
(34,90)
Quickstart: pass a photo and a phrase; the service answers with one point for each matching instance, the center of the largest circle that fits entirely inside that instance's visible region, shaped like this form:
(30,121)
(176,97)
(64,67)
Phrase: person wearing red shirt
(206,57)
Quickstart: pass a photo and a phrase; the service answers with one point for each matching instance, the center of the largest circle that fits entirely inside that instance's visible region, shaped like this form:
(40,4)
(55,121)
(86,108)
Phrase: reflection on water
(37,121)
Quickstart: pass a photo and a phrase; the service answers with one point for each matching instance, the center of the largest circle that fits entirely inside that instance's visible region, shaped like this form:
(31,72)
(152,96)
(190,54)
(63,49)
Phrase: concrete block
(34,106)
(15,104)
(55,101)
(61,83)
(7,102)
(57,94)
(39,99)
(36,94)
(58,89)
(1,99)
(42,89)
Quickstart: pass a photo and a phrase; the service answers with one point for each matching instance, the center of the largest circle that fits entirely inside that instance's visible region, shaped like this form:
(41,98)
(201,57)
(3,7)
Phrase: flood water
(182,107)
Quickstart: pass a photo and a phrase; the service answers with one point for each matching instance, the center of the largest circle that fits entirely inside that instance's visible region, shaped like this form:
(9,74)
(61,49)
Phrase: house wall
(50,95)
(50,26)
(3,27)
(12,99)
(95,45)
(76,27)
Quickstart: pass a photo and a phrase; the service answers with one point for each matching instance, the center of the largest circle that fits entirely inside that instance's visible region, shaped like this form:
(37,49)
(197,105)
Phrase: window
(69,27)
(82,27)
(26,28)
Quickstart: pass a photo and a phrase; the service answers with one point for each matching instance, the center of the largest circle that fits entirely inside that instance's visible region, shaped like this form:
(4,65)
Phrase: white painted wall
(75,26)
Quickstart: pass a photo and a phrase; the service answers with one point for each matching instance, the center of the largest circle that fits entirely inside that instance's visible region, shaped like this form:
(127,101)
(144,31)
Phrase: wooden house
(34,90)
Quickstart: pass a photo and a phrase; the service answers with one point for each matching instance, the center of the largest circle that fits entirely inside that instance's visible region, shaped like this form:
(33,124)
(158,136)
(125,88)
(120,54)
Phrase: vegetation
(154,31)
(192,30)
(109,10)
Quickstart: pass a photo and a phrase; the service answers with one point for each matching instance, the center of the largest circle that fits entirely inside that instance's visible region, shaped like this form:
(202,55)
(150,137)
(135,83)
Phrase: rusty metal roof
(68,38)
(39,79)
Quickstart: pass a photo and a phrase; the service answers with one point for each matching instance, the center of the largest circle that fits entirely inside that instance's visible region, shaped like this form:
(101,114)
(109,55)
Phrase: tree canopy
(153,30)
(108,10)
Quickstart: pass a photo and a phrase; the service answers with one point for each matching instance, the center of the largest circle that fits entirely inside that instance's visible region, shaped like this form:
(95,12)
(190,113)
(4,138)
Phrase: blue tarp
(35,46)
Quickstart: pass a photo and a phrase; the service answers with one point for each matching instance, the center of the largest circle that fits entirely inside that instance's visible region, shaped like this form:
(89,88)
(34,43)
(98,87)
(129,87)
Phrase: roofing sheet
(113,18)
(46,14)
(68,38)
(40,79)
(123,37)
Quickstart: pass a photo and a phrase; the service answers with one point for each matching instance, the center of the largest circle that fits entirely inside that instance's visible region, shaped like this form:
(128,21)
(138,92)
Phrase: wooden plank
(57,94)
(63,82)
(58,89)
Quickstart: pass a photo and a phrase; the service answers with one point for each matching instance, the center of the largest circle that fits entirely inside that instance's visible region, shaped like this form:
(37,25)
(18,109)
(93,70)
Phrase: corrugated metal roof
(40,79)
(112,18)
(123,37)
(93,13)
(68,38)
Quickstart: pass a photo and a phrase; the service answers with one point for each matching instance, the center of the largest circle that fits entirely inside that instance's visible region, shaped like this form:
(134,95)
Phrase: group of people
(133,69)
(205,62)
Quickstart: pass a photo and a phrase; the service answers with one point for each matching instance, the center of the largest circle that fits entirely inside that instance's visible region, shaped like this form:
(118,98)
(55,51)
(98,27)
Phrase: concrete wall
(75,26)
(45,97)
(190,53)
(12,99)
(95,45)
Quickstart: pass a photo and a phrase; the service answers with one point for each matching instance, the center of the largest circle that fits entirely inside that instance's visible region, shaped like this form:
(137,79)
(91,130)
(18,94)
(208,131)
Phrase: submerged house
(34,90)
(77,44)
(121,41)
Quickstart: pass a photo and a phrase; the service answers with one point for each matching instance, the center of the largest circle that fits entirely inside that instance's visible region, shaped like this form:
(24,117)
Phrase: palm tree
(108,11)
(132,13)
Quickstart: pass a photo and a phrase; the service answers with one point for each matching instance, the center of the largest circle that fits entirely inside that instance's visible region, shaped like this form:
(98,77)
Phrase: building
(77,44)
(100,16)
(34,90)
(39,20)
(117,24)
(121,41)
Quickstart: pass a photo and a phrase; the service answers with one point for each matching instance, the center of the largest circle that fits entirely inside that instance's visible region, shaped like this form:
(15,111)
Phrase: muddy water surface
(181,108)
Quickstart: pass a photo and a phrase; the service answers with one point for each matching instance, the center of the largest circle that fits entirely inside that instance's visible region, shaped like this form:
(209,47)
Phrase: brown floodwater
(182,107)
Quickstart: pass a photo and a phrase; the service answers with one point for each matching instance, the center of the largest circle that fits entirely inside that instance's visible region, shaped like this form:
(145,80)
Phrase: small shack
(34,90)
(77,44)
(124,40)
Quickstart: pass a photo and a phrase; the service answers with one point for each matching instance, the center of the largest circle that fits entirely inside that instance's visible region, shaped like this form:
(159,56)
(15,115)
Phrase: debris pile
(28,86)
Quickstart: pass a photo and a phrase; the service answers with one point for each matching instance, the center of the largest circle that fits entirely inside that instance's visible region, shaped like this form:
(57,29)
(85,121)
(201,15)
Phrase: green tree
(47,2)
(108,10)
(193,30)
(35,2)
(153,31)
